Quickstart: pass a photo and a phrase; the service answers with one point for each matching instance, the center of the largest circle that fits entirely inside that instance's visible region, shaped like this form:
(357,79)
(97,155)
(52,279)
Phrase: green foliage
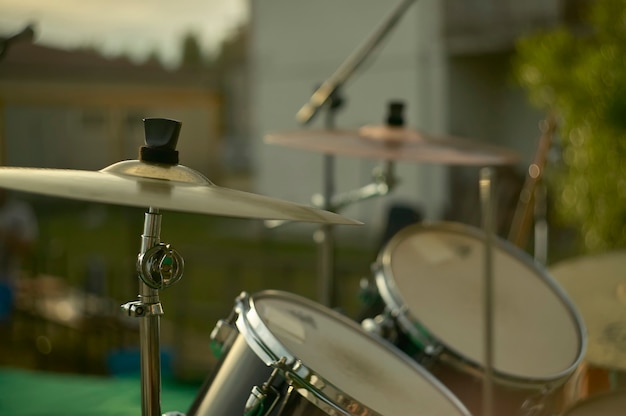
(580,74)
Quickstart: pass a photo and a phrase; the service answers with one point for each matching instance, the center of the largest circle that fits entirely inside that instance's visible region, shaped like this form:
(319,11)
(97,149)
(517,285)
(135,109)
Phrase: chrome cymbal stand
(158,267)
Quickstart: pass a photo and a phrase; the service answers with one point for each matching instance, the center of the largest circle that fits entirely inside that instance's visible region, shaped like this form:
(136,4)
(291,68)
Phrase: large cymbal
(597,285)
(176,188)
(395,143)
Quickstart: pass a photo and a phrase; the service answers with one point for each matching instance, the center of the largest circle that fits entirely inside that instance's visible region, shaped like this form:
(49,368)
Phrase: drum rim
(388,290)
(270,350)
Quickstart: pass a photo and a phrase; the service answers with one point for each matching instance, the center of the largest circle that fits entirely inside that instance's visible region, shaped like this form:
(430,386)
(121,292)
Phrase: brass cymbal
(395,143)
(170,187)
(597,286)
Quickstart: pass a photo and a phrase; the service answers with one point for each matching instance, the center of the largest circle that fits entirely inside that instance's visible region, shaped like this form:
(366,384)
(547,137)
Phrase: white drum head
(338,350)
(437,273)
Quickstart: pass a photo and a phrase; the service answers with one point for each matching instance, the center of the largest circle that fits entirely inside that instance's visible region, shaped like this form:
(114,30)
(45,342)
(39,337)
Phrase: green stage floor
(30,393)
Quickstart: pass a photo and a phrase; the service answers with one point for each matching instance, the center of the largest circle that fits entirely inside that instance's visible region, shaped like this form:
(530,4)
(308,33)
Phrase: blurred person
(18,234)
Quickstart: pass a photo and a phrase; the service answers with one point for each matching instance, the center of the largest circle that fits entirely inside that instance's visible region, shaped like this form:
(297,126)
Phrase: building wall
(484,26)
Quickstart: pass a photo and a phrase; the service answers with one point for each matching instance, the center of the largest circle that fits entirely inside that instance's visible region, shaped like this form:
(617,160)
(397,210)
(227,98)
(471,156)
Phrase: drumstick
(486,186)
(523,216)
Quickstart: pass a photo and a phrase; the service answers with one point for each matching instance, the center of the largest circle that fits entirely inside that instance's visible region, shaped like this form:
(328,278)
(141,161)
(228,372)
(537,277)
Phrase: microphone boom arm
(350,65)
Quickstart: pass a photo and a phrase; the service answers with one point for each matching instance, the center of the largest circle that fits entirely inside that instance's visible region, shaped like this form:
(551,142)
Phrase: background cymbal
(597,285)
(175,188)
(394,143)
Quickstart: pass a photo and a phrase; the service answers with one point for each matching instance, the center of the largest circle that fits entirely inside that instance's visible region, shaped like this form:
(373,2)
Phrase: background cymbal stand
(383,182)
(487,208)
(324,236)
(325,93)
(384,179)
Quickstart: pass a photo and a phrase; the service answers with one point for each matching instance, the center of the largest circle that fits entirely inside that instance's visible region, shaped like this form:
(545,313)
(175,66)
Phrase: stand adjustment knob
(160,266)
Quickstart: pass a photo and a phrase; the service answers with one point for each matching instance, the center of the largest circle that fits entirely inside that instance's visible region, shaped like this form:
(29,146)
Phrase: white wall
(296,44)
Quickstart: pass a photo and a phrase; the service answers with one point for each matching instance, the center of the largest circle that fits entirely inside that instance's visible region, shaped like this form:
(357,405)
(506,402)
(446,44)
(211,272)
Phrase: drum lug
(381,325)
(368,293)
(262,400)
(430,355)
(433,350)
(223,335)
(261,397)
(416,333)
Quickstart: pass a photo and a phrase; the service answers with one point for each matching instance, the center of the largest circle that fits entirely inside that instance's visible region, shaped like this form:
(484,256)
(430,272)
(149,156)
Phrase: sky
(131,27)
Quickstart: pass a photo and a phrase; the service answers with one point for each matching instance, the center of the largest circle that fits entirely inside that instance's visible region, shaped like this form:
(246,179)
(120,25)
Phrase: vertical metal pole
(486,190)
(325,235)
(149,327)
(326,240)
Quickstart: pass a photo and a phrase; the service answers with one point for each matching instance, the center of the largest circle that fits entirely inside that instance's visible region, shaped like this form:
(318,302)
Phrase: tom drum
(430,278)
(285,355)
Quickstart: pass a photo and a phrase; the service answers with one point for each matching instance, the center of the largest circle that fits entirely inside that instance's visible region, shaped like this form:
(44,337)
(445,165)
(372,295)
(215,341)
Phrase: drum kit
(462,322)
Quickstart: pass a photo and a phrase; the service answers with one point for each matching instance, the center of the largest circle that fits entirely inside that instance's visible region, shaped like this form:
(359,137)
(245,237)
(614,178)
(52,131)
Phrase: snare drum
(431,279)
(286,355)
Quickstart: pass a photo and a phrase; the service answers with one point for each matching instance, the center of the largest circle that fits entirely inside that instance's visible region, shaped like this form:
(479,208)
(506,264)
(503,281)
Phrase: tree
(191,51)
(580,74)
